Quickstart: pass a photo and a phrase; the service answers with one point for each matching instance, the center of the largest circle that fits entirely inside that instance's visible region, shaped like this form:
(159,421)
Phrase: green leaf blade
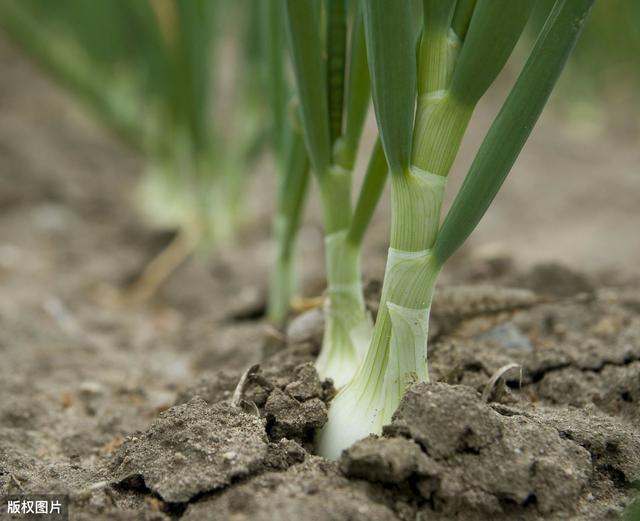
(372,187)
(306,51)
(511,128)
(392,68)
(336,57)
(196,28)
(358,93)
(494,29)
(293,190)
(271,21)
(462,17)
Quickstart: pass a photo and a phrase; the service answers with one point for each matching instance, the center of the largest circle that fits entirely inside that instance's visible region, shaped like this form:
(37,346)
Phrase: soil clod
(193,448)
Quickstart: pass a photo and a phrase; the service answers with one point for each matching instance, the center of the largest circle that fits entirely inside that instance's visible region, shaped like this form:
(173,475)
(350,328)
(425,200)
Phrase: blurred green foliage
(148,69)
(602,79)
(633,512)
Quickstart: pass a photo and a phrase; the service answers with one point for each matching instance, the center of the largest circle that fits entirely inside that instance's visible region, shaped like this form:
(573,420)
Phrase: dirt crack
(537,376)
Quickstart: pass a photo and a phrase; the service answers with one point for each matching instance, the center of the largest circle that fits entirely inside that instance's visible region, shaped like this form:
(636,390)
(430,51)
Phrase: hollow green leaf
(392,67)
(306,51)
(271,25)
(434,68)
(462,17)
(512,126)
(152,44)
(372,187)
(493,32)
(336,30)
(196,28)
(293,189)
(437,14)
(358,92)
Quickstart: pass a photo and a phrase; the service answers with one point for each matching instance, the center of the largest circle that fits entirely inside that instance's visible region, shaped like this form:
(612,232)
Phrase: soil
(191,407)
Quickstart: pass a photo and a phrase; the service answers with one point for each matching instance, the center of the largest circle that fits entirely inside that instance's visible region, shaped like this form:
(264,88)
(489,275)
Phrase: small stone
(308,326)
(179,458)
(90,388)
(509,336)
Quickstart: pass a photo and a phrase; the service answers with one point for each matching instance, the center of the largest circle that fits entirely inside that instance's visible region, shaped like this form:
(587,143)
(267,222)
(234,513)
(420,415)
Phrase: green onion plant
(328,57)
(423,104)
(293,170)
(145,68)
(291,160)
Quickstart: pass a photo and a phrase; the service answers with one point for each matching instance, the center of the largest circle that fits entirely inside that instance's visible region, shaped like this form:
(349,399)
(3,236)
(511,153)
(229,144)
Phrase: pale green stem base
(175,196)
(397,355)
(348,327)
(282,281)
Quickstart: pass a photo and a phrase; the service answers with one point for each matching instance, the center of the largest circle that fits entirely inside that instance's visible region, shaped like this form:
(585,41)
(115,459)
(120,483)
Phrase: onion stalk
(457,62)
(291,160)
(332,86)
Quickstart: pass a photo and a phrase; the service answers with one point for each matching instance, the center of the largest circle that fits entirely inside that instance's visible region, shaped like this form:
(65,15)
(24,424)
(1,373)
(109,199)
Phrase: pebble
(509,336)
(306,326)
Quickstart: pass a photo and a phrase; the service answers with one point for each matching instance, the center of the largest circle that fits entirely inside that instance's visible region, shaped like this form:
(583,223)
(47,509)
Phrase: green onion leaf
(336,50)
(303,33)
(272,27)
(195,18)
(462,17)
(392,67)
(358,93)
(370,193)
(293,189)
(494,30)
(512,126)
